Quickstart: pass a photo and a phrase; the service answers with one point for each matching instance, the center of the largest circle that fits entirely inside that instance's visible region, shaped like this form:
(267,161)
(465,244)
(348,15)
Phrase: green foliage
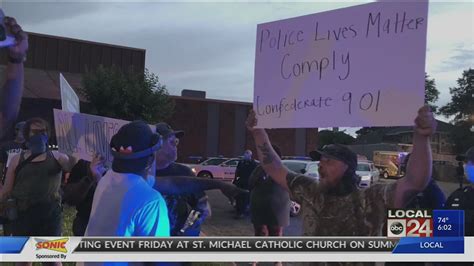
(128,96)
(431,93)
(330,137)
(462,108)
(462,99)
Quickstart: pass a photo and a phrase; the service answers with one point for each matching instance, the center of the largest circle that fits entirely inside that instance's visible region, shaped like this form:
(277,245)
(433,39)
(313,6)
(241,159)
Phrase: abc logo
(396,228)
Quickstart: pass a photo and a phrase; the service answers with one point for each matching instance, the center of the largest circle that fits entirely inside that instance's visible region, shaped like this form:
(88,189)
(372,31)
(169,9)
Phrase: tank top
(37,182)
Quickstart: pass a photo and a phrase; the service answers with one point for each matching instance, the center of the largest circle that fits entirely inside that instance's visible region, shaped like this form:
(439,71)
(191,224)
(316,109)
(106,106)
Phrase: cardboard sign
(69,99)
(357,66)
(83,135)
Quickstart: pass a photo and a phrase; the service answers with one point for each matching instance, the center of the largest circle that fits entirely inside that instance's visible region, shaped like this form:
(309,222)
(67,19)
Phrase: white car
(309,168)
(217,168)
(369,174)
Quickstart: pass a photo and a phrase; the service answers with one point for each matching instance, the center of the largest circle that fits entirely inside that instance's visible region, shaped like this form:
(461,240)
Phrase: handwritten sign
(357,66)
(69,99)
(83,135)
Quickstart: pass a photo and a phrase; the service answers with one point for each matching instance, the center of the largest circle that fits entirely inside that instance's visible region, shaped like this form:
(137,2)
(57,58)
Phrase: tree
(462,108)
(431,96)
(462,99)
(367,130)
(330,137)
(129,96)
(462,136)
(431,93)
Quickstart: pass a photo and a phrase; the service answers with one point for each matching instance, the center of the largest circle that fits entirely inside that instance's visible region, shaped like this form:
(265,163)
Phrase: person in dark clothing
(242,173)
(79,190)
(33,181)
(9,148)
(7,151)
(432,197)
(269,203)
(180,207)
(463,198)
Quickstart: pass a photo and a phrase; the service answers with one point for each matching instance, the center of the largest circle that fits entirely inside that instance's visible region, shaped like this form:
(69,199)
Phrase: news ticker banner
(235,248)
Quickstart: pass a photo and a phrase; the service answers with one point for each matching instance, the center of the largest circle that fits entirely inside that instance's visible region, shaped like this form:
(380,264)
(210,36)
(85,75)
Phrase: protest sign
(83,135)
(357,66)
(69,99)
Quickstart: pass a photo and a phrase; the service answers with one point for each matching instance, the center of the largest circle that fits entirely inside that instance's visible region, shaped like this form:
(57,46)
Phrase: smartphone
(6,40)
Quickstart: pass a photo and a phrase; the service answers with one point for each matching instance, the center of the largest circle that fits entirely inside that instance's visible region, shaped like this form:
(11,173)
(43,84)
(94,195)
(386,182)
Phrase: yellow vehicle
(390,163)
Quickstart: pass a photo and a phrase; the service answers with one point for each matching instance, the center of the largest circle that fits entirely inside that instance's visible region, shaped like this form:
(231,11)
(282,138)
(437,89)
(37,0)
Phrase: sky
(210,46)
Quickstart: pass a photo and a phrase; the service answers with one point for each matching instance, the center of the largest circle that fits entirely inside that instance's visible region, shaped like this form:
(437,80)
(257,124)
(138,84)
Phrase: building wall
(77,56)
(217,128)
(440,142)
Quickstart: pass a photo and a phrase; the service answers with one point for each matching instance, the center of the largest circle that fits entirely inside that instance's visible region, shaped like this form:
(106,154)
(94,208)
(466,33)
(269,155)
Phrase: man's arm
(67,162)
(268,158)
(420,163)
(12,90)
(180,185)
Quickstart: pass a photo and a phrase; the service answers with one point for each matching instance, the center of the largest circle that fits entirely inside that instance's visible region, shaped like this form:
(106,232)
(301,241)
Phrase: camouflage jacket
(361,213)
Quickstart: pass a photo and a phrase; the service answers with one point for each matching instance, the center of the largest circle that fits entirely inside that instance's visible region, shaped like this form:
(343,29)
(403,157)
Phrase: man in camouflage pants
(334,206)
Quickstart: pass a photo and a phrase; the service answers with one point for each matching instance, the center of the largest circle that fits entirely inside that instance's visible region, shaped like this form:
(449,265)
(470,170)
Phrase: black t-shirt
(179,207)
(7,148)
(78,172)
(243,171)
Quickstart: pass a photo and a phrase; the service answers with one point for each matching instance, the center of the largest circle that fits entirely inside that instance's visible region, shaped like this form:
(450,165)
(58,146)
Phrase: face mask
(38,143)
(470,172)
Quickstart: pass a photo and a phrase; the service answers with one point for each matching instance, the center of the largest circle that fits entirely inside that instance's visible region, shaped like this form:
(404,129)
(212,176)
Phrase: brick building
(213,127)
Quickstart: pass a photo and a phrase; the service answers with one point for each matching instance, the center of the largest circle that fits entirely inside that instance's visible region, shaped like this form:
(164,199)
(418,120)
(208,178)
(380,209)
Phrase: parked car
(309,168)
(217,168)
(368,173)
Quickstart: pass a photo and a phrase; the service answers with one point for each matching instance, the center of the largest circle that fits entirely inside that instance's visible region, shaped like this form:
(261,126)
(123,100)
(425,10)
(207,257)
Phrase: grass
(68,217)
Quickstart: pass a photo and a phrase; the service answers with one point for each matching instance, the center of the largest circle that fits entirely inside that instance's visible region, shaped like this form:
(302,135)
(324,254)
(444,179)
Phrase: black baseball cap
(338,152)
(468,156)
(165,130)
(134,140)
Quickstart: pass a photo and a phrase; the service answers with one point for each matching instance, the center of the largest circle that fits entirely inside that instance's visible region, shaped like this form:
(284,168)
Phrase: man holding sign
(334,206)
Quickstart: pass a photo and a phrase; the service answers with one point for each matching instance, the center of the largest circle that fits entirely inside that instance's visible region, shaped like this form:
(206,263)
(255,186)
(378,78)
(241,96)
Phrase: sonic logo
(58,245)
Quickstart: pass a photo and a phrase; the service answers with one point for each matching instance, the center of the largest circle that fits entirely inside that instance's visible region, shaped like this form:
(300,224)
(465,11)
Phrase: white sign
(83,135)
(69,99)
(357,66)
